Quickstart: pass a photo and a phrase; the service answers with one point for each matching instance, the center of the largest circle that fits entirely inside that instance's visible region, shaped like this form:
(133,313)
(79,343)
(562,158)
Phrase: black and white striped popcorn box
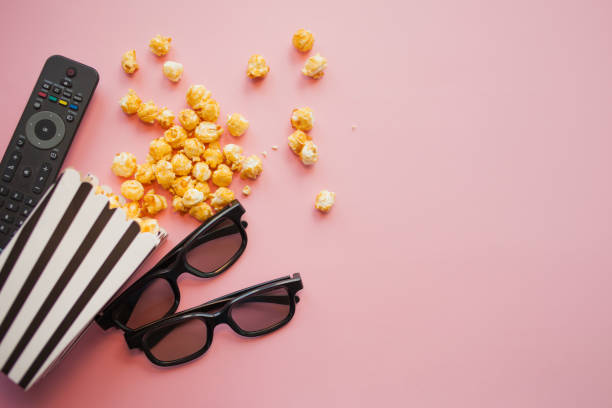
(59,270)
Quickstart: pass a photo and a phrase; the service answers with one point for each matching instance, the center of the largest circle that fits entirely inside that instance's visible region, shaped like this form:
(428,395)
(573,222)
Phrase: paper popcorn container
(62,266)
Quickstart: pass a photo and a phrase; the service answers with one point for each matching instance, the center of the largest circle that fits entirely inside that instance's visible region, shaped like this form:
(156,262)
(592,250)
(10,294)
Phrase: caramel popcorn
(192,197)
(163,173)
(309,153)
(189,119)
(147,112)
(148,224)
(209,110)
(181,184)
(173,70)
(251,167)
(303,40)
(233,155)
(114,201)
(246,190)
(165,118)
(160,150)
(315,66)
(124,164)
(132,210)
(213,155)
(160,45)
(297,140)
(237,124)
(197,95)
(132,190)
(325,200)
(154,203)
(221,197)
(222,177)
(275,147)
(257,67)
(175,136)
(128,62)
(204,188)
(177,204)
(130,102)
(201,171)
(181,164)
(201,211)
(145,173)
(302,119)
(193,149)
(208,132)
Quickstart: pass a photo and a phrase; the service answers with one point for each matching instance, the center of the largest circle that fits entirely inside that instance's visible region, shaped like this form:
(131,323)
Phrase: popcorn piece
(237,124)
(154,203)
(208,132)
(160,150)
(246,190)
(181,164)
(102,190)
(251,167)
(181,185)
(147,112)
(297,140)
(264,154)
(309,153)
(201,212)
(148,224)
(257,67)
(209,110)
(303,40)
(173,70)
(222,177)
(315,66)
(213,155)
(204,188)
(325,200)
(124,164)
(275,147)
(145,173)
(128,62)
(178,205)
(233,156)
(164,174)
(114,201)
(130,102)
(201,171)
(160,45)
(132,190)
(193,149)
(192,197)
(222,197)
(132,210)
(189,119)
(175,136)
(165,118)
(302,119)
(197,95)
(353,127)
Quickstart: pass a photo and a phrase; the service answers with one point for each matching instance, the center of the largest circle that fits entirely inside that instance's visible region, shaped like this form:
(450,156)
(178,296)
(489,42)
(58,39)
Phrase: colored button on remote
(52,98)
(63,102)
(42,94)
(74,107)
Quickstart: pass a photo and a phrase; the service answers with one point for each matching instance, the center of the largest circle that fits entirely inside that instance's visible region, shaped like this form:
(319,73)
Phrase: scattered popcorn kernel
(132,210)
(297,140)
(147,112)
(302,119)
(221,197)
(165,118)
(309,153)
(325,200)
(208,132)
(181,184)
(103,190)
(154,203)
(222,177)
(114,201)
(303,40)
(204,188)
(173,70)
(264,154)
(160,45)
(257,67)
(160,150)
(189,119)
(128,62)
(209,110)
(237,124)
(164,174)
(148,224)
(251,167)
(193,149)
(246,190)
(145,173)
(130,102)
(233,156)
(192,197)
(177,204)
(124,164)
(197,95)
(201,171)
(201,211)
(213,155)
(175,136)
(181,164)
(132,190)
(275,147)
(315,66)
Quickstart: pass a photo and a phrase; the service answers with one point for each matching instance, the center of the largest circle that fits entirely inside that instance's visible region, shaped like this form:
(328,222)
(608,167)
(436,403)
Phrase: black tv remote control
(41,140)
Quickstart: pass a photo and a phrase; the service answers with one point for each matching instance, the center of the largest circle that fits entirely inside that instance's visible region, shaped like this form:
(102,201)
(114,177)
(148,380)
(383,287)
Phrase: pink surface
(467,260)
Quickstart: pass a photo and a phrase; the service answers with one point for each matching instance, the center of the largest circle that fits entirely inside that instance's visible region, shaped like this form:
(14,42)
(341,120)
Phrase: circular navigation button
(70,72)
(45,129)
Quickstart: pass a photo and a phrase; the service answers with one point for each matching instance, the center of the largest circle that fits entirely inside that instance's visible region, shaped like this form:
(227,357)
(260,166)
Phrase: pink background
(467,260)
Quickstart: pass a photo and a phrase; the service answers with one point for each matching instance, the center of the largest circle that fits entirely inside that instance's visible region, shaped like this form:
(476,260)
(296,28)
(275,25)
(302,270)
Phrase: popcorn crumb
(124,164)
(197,95)
(132,190)
(264,154)
(222,176)
(221,197)
(309,153)
(257,67)
(354,127)
(315,66)
(201,211)
(325,200)
(251,167)
(303,40)
(147,112)
(173,70)
(165,118)
(237,124)
(246,190)
(160,45)
(189,119)
(275,147)
(128,62)
(130,102)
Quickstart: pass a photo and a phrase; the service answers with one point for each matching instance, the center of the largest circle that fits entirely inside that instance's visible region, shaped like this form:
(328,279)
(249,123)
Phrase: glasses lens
(215,248)
(154,303)
(262,310)
(177,341)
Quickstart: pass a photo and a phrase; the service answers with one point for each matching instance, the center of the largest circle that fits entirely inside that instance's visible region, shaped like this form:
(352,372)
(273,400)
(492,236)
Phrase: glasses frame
(214,313)
(174,264)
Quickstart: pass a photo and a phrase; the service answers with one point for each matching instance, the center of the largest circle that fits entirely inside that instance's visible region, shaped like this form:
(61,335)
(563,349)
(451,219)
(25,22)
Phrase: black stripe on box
(46,254)
(81,302)
(59,286)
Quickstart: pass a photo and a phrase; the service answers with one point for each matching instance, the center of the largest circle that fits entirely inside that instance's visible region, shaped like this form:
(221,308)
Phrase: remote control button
(46,86)
(7,176)
(26,211)
(67,94)
(20,140)
(11,206)
(45,168)
(20,222)
(17,196)
(45,129)
(42,94)
(52,98)
(70,72)
(3,191)
(4,229)
(63,102)
(8,218)
(30,201)
(78,98)
(69,117)
(53,154)
(15,158)
(37,189)
(74,107)
(57,90)
(67,83)
(27,172)
(36,105)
